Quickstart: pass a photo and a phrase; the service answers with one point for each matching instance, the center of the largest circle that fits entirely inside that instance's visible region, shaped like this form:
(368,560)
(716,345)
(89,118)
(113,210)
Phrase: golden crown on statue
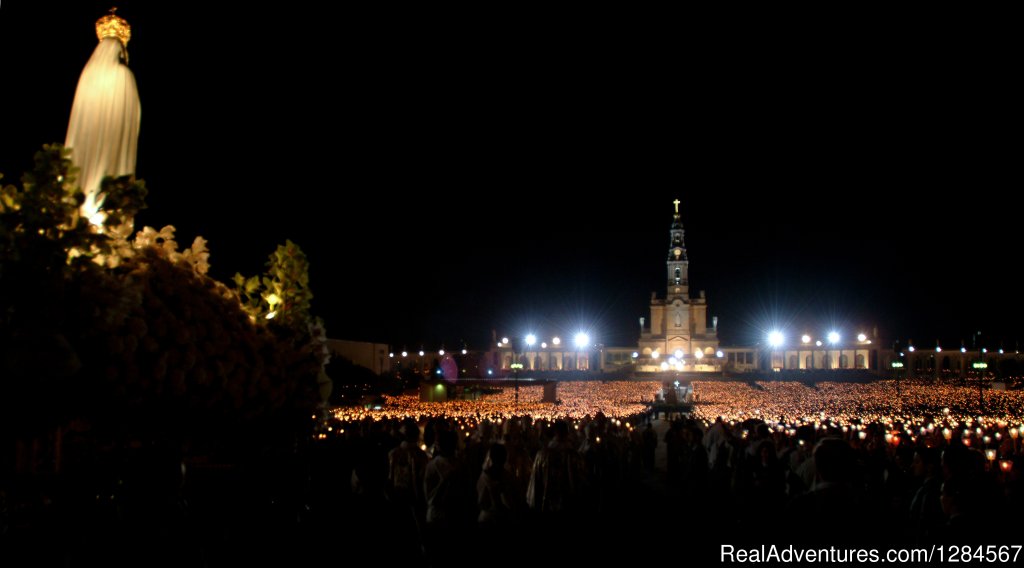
(113,26)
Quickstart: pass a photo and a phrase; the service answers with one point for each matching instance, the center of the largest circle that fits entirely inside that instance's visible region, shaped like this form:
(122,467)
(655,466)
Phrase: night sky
(445,183)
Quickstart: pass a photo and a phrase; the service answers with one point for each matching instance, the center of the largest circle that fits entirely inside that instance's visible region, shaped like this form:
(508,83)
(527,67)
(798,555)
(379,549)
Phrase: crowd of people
(752,463)
(912,402)
(452,476)
(823,462)
(576,399)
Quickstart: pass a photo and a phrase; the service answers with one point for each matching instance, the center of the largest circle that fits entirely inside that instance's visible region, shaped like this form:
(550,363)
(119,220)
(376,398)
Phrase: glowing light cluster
(845,403)
(616,399)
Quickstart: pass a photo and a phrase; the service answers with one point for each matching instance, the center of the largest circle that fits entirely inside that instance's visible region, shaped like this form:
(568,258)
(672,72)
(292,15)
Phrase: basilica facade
(678,337)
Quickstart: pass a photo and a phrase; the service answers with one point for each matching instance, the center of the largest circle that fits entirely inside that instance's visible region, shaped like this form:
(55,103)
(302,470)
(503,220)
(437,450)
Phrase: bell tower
(678,339)
(677,266)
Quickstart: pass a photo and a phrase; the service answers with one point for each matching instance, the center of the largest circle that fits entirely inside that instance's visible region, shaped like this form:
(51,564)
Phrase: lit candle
(1005,466)
(990,454)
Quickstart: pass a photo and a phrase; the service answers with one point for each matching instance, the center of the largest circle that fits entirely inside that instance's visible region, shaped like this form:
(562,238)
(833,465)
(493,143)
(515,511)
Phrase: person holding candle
(926,514)
(961,505)
(838,495)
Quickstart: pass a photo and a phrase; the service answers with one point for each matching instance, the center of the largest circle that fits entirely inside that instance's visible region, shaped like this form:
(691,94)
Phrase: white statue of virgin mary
(103,133)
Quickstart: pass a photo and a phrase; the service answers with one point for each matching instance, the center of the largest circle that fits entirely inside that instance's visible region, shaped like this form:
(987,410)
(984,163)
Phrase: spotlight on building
(531,339)
(775,338)
(463,351)
(504,341)
(805,338)
(405,353)
(861,337)
(698,354)
(440,352)
(818,343)
(391,355)
(556,341)
(635,354)
(655,355)
(678,353)
(720,354)
(582,340)
(421,352)
(833,337)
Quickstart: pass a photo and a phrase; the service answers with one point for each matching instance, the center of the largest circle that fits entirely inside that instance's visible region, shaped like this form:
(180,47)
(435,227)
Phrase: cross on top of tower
(676,203)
